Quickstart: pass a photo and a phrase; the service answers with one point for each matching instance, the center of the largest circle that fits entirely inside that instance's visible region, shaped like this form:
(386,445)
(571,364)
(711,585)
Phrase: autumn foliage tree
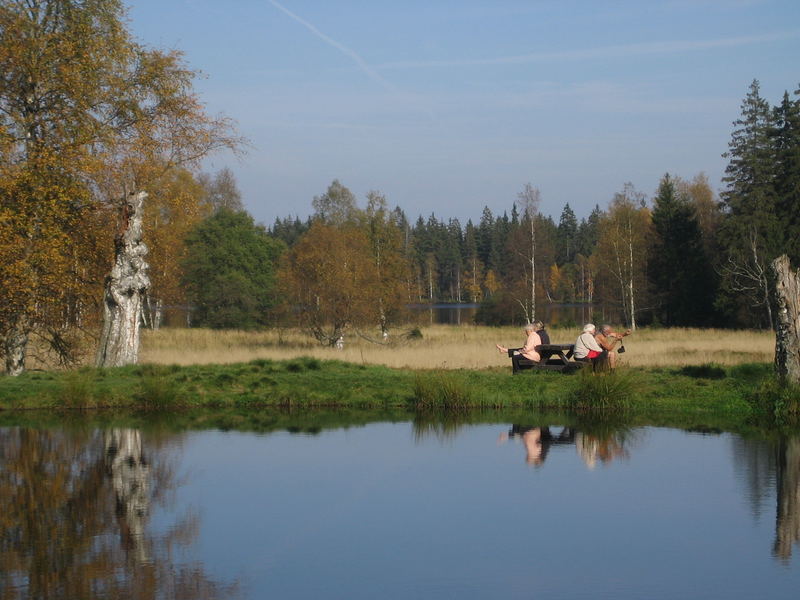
(329,279)
(87,117)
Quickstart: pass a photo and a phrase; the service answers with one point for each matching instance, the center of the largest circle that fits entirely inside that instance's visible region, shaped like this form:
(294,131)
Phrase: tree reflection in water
(74,509)
(787,528)
(771,469)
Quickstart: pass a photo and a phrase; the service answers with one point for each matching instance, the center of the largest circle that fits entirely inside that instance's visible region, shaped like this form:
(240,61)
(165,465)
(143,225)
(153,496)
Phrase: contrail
(667,47)
(371,73)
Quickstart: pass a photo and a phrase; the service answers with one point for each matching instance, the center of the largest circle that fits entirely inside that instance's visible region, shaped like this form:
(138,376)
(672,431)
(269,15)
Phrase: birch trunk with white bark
(125,290)
(15,345)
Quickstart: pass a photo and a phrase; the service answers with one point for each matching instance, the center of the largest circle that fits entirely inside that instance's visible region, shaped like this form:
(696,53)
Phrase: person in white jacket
(586,347)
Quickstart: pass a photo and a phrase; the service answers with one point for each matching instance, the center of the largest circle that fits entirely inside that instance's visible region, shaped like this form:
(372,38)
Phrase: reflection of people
(607,339)
(537,441)
(529,349)
(586,346)
(590,448)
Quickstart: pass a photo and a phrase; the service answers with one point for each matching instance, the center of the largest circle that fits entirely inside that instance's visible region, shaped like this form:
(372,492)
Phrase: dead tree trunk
(15,345)
(125,289)
(787,336)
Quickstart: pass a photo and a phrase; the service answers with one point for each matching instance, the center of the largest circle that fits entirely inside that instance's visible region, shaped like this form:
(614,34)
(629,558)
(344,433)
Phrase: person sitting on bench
(607,338)
(586,347)
(543,335)
(528,350)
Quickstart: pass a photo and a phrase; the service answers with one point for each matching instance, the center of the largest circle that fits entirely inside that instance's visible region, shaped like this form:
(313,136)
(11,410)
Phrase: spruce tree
(786,135)
(680,271)
(567,236)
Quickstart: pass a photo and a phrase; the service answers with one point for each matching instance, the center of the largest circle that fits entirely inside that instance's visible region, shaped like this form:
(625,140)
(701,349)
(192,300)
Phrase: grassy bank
(735,392)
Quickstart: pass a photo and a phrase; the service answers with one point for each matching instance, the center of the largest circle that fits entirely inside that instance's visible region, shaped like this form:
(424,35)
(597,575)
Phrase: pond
(403,509)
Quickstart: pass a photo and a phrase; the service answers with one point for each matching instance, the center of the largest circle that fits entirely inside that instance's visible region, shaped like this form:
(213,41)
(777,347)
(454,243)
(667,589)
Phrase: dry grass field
(450,347)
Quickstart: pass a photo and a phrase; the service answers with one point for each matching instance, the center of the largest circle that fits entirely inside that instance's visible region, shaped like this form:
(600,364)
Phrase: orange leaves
(331,280)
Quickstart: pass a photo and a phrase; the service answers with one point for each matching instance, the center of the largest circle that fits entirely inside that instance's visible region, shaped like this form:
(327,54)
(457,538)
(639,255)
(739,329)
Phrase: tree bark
(787,335)
(15,344)
(125,289)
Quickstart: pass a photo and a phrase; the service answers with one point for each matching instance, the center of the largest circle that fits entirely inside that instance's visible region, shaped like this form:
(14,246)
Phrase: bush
(157,391)
(440,391)
(76,389)
(776,401)
(605,391)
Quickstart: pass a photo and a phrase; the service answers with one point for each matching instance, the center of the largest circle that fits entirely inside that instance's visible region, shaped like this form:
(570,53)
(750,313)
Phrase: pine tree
(786,134)
(567,236)
(752,232)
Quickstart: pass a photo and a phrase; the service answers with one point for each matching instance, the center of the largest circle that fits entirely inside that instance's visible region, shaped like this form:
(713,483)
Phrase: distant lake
(398,510)
(553,315)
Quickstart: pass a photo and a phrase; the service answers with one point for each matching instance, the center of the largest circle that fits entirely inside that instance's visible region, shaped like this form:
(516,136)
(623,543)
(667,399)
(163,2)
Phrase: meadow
(449,347)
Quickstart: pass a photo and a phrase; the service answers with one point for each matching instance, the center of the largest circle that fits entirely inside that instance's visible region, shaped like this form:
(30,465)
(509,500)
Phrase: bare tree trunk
(630,281)
(125,289)
(15,344)
(787,335)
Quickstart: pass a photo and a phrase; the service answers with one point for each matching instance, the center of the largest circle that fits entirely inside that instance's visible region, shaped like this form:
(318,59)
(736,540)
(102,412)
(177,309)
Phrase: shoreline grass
(739,392)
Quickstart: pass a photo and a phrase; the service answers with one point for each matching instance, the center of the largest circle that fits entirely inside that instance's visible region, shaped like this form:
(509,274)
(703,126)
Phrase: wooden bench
(554,357)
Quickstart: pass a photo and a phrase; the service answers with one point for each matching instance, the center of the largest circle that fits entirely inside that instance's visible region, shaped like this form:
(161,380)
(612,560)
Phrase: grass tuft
(76,389)
(609,391)
(778,402)
(440,391)
(157,390)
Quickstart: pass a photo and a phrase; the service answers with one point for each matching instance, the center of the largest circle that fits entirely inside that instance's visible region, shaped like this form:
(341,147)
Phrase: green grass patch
(734,393)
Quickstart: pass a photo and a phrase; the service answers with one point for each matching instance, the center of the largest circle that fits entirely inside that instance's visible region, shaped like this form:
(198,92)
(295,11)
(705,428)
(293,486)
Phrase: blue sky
(450,106)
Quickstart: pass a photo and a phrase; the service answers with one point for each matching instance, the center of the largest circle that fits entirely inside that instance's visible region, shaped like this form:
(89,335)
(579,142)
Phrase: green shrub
(440,391)
(76,389)
(157,391)
(603,391)
(414,334)
(776,401)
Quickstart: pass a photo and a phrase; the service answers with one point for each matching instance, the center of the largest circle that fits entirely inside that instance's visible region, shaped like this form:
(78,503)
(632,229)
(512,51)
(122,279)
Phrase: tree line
(683,257)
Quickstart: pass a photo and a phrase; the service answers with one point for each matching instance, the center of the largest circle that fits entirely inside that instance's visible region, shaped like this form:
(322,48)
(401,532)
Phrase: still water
(398,510)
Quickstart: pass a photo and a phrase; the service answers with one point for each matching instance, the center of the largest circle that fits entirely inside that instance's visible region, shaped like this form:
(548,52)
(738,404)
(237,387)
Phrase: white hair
(589,327)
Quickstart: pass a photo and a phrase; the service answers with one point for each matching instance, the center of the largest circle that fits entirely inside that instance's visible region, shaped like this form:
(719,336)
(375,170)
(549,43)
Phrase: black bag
(621,349)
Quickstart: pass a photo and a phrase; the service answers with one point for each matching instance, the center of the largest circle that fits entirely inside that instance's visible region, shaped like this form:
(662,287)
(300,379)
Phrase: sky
(447,106)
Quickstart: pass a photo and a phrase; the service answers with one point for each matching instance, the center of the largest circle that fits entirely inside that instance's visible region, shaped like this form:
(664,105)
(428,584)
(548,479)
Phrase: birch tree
(622,248)
(87,117)
(529,198)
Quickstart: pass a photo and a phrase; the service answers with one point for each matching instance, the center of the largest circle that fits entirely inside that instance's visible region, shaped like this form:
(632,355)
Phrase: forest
(88,117)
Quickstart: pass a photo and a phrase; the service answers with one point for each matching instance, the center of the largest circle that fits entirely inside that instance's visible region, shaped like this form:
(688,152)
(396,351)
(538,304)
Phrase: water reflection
(590,446)
(787,527)
(771,470)
(74,512)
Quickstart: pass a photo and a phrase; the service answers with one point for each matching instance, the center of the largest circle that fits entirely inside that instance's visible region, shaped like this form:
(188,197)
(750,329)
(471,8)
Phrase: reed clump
(76,389)
(158,390)
(778,402)
(439,390)
(605,391)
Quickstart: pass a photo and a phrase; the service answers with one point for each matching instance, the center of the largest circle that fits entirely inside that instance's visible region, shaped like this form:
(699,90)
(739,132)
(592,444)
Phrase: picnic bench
(554,357)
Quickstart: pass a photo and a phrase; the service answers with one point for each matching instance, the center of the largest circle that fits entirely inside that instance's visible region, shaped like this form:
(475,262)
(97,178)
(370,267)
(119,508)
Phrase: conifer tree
(679,268)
